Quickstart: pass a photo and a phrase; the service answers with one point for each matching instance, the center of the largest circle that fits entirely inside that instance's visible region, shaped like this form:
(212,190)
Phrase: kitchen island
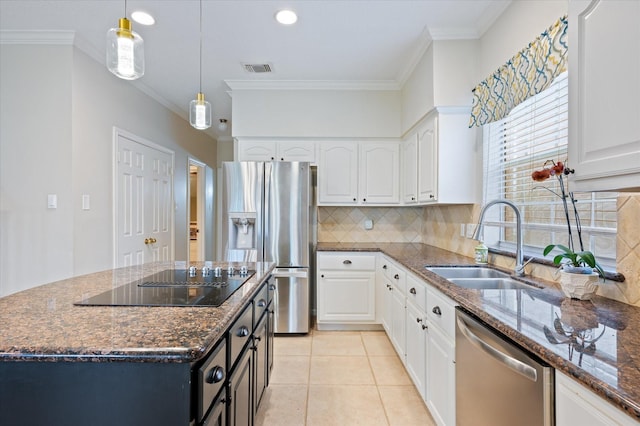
(67,364)
(594,342)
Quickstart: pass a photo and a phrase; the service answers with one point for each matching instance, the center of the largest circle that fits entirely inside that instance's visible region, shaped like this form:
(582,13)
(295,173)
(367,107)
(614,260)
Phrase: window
(533,133)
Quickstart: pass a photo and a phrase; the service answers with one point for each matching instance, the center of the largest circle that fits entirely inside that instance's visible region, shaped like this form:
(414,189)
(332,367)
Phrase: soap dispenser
(482,254)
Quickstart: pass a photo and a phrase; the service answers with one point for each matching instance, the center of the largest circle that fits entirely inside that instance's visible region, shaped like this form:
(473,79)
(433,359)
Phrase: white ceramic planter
(579,286)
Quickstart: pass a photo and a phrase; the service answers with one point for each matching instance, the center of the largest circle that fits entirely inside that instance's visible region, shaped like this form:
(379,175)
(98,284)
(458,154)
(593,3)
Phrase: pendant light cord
(200,46)
(125,8)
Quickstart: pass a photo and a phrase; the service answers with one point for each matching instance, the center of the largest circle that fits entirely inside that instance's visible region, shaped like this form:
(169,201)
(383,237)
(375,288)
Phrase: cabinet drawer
(347,261)
(240,333)
(260,302)
(394,275)
(441,312)
(211,377)
(417,292)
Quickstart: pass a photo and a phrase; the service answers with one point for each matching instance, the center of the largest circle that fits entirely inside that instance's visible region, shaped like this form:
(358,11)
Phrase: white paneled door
(143,194)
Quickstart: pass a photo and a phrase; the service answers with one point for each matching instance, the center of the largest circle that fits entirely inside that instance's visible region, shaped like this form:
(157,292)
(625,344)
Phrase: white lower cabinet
(416,347)
(398,331)
(441,377)
(346,288)
(577,405)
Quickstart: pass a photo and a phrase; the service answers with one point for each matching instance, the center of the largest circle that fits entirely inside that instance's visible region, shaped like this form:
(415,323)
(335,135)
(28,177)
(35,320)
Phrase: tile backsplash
(440,226)
(390,224)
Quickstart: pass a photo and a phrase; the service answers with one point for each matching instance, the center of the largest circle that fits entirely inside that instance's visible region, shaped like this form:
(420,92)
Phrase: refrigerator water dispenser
(242,232)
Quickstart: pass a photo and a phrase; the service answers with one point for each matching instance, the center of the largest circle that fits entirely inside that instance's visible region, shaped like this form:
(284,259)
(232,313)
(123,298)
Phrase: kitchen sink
(467,272)
(479,278)
(490,283)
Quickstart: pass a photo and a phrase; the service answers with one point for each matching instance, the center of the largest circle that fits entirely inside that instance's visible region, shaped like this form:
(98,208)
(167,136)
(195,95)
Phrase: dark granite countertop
(42,324)
(596,342)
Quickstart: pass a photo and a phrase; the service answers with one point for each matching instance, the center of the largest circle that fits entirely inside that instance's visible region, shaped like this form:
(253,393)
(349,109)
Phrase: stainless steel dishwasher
(497,382)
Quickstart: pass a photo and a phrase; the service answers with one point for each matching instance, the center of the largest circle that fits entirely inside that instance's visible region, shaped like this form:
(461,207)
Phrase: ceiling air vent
(257,68)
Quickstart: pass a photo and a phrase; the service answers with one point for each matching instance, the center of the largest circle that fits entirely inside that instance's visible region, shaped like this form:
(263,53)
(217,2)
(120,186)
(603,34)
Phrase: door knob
(150,240)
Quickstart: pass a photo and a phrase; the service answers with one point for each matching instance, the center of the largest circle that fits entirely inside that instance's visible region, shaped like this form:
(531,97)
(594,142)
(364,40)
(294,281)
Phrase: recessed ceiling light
(142,18)
(286,17)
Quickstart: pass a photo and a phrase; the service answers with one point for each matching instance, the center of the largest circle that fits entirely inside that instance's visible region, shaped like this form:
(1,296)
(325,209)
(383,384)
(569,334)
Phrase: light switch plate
(86,202)
(52,201)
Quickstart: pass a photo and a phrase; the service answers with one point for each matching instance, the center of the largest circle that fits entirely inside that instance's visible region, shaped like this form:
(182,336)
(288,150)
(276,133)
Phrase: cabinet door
(387,294)
(240,391)
(428,161)
(297,151)
(416,347)
(604,113)
(441,378)
(338,173)
(256,150)
(398,332)
(345,296)
(577,405)
(379,181)
(260,341)
(410,169)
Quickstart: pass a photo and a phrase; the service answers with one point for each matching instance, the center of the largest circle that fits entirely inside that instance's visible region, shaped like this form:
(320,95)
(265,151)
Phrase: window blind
(533,133)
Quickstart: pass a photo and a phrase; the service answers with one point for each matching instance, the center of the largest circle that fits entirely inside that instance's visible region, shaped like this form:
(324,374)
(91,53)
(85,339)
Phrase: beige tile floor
(340,378)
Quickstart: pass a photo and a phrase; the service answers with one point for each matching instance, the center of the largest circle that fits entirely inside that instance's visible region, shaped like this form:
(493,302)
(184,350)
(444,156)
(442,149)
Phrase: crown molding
(312,85)
(37,37)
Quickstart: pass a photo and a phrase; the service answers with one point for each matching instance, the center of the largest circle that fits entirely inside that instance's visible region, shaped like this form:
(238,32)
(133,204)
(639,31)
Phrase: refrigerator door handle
(302,273)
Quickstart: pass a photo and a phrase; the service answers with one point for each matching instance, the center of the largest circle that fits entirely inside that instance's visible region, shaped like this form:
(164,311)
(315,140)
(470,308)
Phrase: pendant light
(199,109)
(125,50)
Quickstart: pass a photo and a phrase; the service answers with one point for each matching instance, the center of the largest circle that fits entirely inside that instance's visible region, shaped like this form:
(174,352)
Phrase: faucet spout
(477,235)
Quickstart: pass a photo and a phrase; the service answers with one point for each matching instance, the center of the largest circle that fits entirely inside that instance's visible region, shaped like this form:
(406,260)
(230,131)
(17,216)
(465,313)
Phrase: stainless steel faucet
(519,270)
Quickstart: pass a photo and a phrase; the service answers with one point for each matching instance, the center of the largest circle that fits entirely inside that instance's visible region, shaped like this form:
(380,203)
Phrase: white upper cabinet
(410,169)
(604,94)
(338,173)
(379,173)
(359,173)
(428,161)
(272,150)
(439,160)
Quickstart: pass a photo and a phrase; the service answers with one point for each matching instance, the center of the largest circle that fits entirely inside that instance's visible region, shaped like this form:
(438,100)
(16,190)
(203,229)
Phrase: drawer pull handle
(425,327)
(412,290)
(272,287)
(436,310)
(215,375)
(262,303)
(346,262)
(257,338)
(243,331)
(396,276)
(384,266)
(418,320)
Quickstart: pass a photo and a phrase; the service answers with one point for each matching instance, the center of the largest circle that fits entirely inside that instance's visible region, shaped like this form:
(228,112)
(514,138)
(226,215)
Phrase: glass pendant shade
(200,113)
(125,51)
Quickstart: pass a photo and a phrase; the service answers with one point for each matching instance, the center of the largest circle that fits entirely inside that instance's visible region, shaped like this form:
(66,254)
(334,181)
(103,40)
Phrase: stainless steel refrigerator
(268,216)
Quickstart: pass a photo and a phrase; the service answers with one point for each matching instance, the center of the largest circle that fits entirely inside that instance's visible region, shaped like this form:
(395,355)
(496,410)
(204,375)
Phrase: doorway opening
(196,211)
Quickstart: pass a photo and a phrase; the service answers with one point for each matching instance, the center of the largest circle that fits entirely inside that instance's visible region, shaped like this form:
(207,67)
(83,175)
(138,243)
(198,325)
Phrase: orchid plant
(571,257)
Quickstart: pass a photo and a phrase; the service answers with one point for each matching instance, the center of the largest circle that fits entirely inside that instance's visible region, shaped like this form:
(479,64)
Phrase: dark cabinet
(240,406)
(218,414)
(260,337)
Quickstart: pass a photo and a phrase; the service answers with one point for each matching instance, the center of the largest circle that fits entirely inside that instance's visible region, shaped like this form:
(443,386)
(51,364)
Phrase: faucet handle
(520,272)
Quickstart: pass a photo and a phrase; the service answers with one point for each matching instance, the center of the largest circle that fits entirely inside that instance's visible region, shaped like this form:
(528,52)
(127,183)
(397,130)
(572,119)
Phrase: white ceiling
(342,42)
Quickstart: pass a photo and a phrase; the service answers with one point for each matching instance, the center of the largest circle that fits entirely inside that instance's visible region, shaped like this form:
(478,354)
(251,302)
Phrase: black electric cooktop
(174,287)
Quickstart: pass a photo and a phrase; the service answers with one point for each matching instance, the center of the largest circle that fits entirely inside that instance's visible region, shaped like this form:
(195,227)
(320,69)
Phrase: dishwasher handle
(514,364)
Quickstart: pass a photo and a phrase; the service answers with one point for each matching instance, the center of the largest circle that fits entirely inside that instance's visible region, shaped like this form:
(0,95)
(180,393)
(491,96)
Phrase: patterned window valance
(528,73)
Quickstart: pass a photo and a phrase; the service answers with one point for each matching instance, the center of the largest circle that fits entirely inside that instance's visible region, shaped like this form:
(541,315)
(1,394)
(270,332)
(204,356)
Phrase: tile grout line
(375,380)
